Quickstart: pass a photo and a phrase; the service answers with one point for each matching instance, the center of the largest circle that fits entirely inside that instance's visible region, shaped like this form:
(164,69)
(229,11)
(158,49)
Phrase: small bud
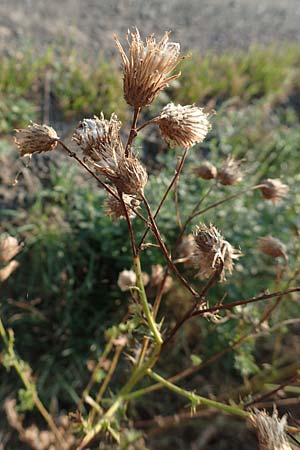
(127,279)
(184,126)
(36,139)
(211,250)
(272,246)
(9,248)
(230,172)
(270,431)
(114,208)
(274,189)
(146,69)
(98,138)
(206,171)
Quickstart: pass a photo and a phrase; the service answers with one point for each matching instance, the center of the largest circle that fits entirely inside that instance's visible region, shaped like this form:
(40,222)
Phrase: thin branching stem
(133,131)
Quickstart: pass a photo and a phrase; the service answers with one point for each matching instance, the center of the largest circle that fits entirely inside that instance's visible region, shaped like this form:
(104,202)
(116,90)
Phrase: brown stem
(213,279)
(244,302)
(165,251)
(226,199)
(176,175)
(133,131)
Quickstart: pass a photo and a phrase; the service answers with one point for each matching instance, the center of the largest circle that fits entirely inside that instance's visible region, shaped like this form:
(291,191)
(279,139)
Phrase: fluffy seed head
(36,139)
(115,209)
(98,138)
(206,171)
(147,68)
(270,431)
(126,279)
(272,246)
(211,251)
(230,174)
(274,189)
(184,126)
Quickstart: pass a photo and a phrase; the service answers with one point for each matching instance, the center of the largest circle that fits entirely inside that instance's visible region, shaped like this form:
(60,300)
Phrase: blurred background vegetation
(64,294)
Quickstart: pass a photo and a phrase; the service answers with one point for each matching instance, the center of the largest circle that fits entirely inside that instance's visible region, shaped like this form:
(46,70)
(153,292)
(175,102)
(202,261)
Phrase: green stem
(144,301)
(194,398)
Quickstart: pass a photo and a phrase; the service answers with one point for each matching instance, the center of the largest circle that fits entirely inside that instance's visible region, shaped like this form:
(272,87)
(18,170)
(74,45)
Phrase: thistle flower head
(147,68)
(131,176)
(126,279)
(36,139)
(184,126)
(211,251)
(115,209)
(272,246)
(99,138)
(206,171)
(230,173)
(274,189)
(270,431)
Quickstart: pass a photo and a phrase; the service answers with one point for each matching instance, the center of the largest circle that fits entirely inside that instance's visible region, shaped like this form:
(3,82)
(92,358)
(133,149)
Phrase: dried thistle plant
(230,173)
(212,251)
(184,126)
(270,431)
(147,68)
(274,189)
(36,139)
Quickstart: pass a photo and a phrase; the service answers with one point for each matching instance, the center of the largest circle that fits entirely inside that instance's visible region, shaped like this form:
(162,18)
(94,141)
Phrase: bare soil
(201,24)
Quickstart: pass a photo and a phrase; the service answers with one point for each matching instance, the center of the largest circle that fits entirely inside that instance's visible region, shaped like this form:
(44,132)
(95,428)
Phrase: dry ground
(201,24)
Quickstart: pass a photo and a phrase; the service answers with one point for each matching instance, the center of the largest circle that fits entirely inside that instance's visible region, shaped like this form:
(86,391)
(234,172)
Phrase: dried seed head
(270,431)
(206,171)
(98,138)
(127,279)
(230,172)
(184,126)
(131,176)
(211,251)
(115,209)
(272,246)
(146,69)
(7,270)
(274,189)
(157,275)
(36,139)
(9,248)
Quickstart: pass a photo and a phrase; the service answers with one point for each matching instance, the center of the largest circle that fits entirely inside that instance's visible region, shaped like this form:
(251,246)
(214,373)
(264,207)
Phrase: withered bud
(131,176)
(147,67)
(230,173)
(115,209)
(184,126)
(272,246)
(274,189)
(206,171)
(270,431)
(126,279)
(98,138)
(9,247)
(36,139)
(157,275)
(212,250)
